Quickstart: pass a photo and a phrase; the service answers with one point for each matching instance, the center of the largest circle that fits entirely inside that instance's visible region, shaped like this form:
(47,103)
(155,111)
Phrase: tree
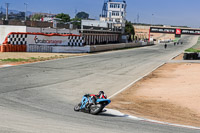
(82,15)
(36,17)
(64,17)
(129,28)
(76,21)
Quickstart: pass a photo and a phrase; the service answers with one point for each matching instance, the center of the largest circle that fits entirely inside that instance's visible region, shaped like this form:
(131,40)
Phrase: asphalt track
(40,97)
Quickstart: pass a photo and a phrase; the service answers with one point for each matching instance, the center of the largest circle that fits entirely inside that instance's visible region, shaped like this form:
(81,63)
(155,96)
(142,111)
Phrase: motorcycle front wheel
(96,109)
(77,107)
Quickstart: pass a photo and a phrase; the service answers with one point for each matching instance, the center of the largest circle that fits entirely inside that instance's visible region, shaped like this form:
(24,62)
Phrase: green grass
(14,60)
(192,50)
(176,39)
(195,48)
(31,59)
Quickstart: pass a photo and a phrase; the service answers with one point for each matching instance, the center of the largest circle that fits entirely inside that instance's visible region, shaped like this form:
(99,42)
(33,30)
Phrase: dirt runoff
(169,94)
(33,57)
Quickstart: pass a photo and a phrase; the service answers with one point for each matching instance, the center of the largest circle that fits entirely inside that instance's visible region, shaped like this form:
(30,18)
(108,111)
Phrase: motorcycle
(93,109)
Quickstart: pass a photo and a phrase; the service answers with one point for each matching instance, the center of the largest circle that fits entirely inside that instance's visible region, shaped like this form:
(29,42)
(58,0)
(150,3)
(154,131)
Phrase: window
(118,5)
(115,13)
(122,5)
(111,6)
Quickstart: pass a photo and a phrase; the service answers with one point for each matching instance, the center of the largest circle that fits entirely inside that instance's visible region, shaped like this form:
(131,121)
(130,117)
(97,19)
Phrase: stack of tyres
(9,48)
(2,48)
(190,56)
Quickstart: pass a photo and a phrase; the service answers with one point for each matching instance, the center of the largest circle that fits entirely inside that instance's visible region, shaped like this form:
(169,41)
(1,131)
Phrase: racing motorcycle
(93,109)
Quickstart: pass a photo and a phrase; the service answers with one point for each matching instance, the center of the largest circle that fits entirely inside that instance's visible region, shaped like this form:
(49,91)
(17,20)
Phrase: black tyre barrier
(191,56)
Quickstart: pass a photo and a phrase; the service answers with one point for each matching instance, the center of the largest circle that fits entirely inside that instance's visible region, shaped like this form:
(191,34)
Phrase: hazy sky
(169,12)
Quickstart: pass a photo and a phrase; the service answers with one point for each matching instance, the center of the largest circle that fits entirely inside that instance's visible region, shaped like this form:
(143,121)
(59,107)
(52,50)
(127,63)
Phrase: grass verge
(195,48)
(31,59)
(192,50)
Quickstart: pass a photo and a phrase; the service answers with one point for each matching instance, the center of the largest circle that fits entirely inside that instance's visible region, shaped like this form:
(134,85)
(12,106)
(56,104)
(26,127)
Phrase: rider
(94,97)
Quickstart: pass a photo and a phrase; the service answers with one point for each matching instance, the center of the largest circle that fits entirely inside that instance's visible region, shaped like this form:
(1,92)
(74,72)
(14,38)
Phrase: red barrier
(9,48)
(14,48)
(3,48)
(21,48)
(18,48)
(24,48)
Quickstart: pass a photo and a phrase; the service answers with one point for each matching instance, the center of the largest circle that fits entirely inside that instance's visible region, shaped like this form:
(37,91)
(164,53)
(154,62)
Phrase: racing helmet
(102,95)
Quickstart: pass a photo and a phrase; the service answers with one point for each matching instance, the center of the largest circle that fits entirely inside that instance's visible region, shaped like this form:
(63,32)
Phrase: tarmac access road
(39,97)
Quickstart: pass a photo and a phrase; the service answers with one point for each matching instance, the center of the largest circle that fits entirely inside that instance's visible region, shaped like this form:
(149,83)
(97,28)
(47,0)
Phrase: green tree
(36,17)
(82,15)
(129,29)
(64,17)
(76,21)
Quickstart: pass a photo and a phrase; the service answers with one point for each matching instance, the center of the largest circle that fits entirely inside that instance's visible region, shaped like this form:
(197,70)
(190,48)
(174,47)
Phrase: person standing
(165,45)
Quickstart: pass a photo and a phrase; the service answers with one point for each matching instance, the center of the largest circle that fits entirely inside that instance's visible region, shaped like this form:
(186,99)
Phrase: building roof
(116,1)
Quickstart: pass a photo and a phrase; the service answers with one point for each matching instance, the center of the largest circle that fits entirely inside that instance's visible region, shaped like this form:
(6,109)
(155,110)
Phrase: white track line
(118,113)
(126,87)
(7,65)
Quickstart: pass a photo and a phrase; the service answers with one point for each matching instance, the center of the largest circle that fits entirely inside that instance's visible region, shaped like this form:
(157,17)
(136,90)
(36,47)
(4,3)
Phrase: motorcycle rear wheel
(96,109)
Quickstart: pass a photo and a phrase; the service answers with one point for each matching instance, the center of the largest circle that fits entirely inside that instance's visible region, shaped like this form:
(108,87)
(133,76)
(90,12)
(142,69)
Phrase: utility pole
(138,18)
(75,12)
(7,5)
(25,4)
(152,19)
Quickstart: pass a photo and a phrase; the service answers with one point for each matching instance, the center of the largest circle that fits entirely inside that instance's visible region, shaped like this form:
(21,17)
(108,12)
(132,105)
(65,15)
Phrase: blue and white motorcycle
(94,109)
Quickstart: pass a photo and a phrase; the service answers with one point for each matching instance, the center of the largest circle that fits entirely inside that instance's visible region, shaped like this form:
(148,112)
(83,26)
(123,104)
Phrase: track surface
(39,97)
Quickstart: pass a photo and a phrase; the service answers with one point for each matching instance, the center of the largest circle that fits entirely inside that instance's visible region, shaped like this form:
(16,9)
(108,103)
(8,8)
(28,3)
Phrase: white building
(114,11)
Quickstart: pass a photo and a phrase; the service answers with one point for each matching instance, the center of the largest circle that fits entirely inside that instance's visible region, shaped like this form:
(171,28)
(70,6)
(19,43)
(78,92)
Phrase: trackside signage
(20,38)
(47,40)
(162,30)
(190,32)
(175,31)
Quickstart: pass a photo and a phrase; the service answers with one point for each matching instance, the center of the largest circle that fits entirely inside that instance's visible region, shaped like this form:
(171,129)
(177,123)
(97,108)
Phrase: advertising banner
(162,30)
(19,38)
(175,31)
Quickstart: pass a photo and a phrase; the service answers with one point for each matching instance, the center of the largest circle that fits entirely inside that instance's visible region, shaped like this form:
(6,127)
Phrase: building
(142,33)
(114,11)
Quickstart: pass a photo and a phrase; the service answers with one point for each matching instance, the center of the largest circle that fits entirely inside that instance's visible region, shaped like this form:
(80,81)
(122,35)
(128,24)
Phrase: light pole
(7,5)
(152,19)
(25,4)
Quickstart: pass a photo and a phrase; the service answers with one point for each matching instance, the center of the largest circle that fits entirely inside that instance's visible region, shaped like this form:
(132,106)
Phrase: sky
(167,12)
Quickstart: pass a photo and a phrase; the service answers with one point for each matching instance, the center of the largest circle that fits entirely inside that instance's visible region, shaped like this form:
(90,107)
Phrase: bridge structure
(176,31)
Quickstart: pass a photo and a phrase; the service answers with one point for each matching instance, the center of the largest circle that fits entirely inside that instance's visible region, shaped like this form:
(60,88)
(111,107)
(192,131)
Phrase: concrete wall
(85,49)
(98,48)
(6,29)
(60,49)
